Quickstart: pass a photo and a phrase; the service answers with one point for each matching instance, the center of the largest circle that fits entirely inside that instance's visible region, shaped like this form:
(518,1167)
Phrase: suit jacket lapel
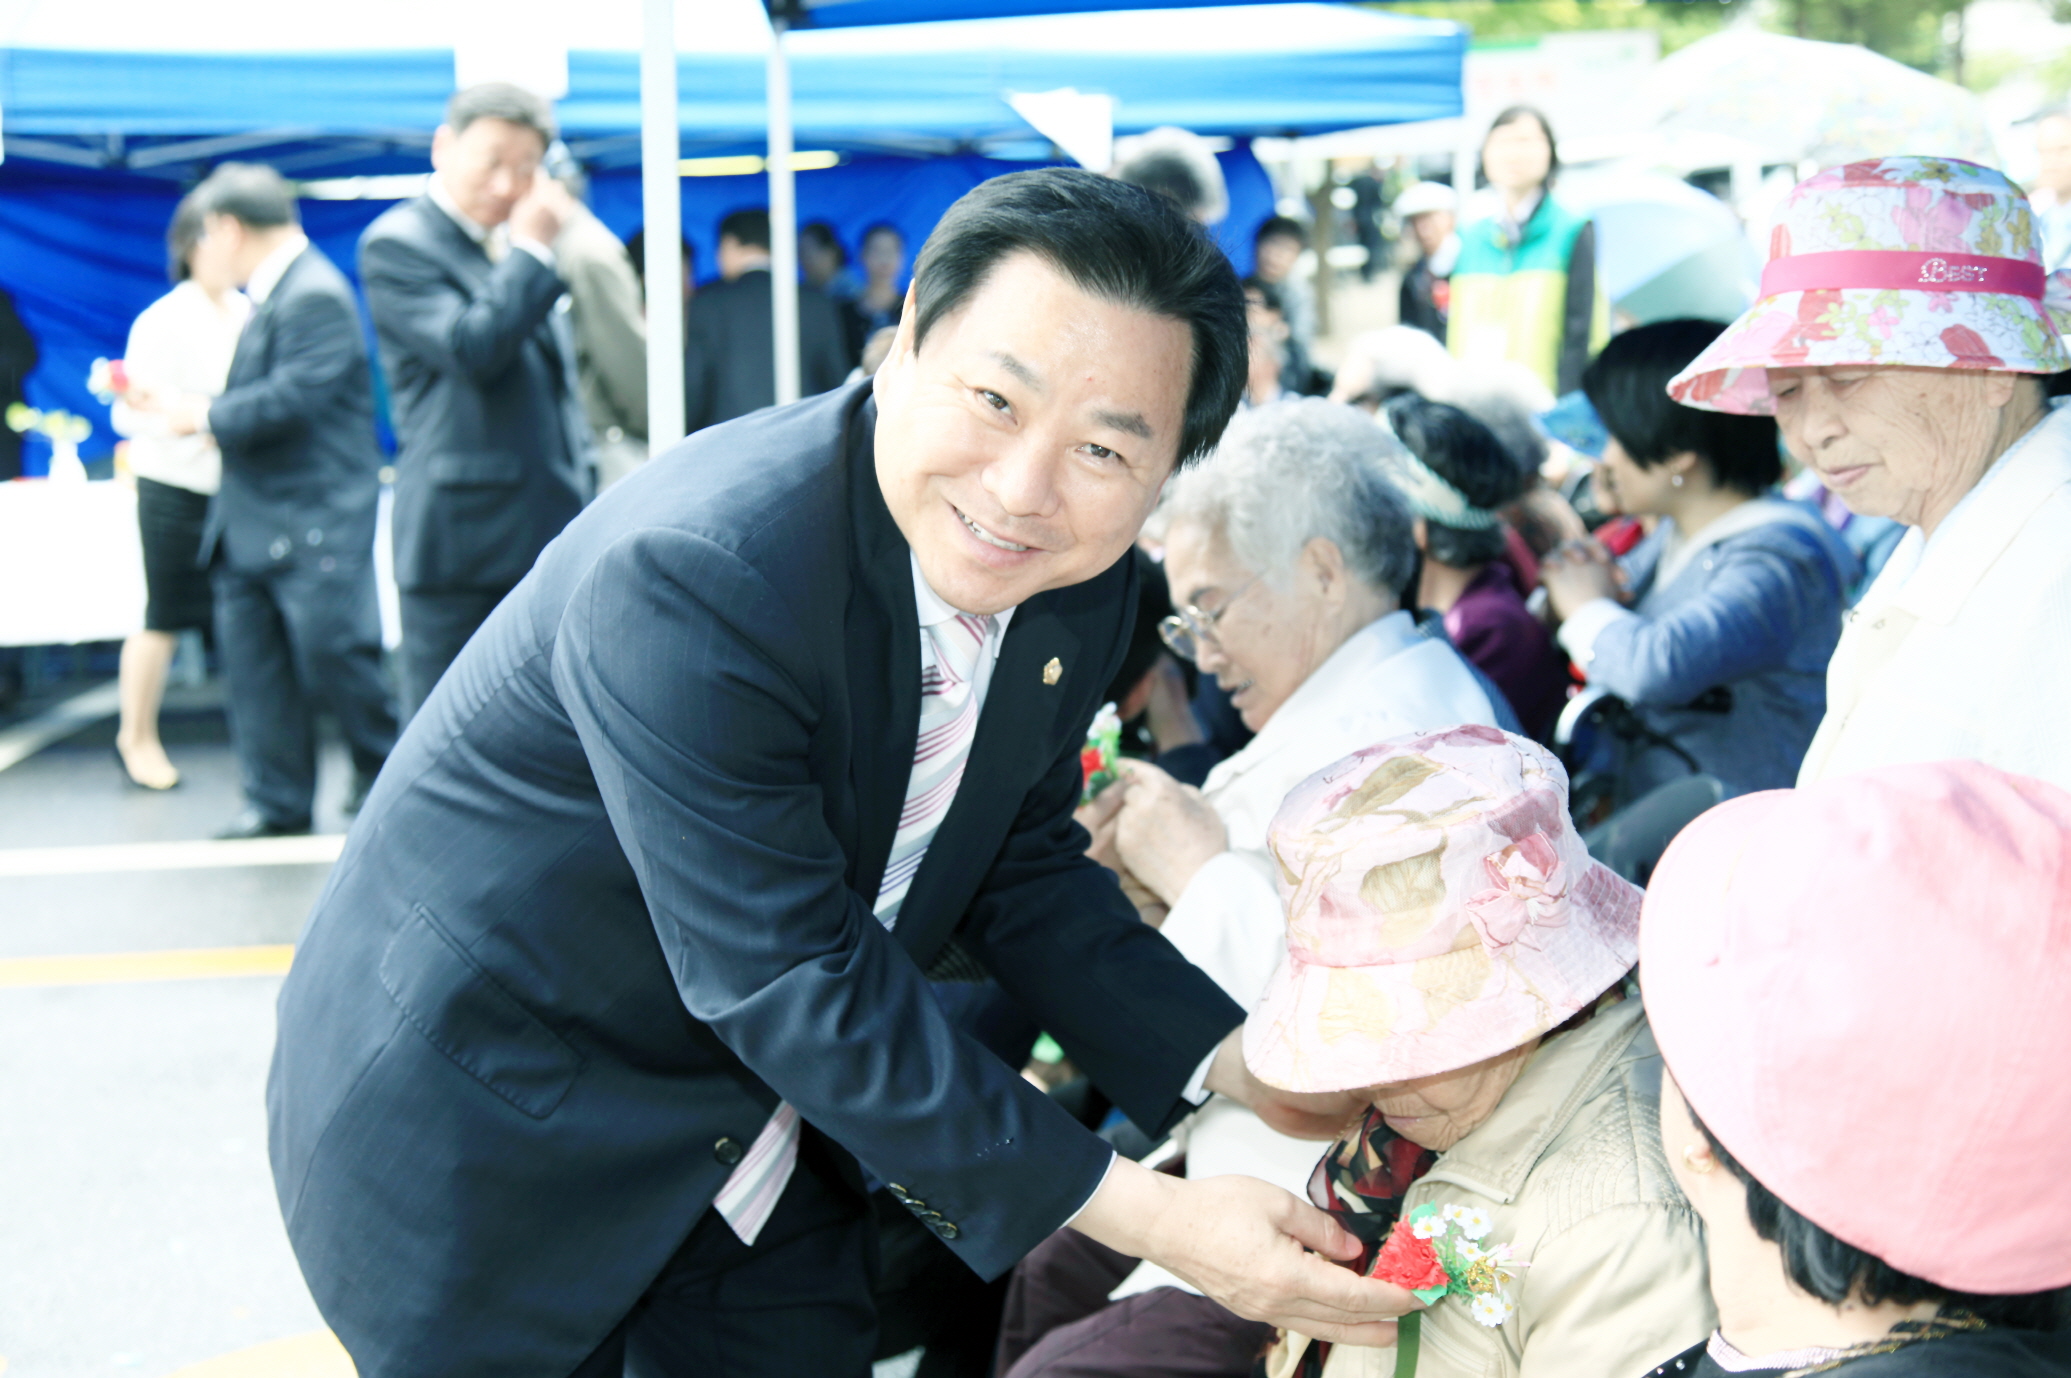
(1008,756)
(883,634)
(246,360)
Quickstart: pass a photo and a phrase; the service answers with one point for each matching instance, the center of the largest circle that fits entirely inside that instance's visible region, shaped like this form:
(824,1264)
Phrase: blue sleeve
(1751,617)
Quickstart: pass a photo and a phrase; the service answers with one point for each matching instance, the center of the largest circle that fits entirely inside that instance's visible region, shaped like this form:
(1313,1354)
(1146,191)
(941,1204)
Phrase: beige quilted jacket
(1571,1171)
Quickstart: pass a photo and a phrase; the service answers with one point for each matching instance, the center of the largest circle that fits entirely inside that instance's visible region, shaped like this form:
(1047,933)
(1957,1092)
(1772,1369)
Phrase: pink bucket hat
(1913,262)
(1440,910)
(1863,988)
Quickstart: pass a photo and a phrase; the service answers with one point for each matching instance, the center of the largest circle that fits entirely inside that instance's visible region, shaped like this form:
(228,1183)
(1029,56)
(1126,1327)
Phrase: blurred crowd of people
(1414,707)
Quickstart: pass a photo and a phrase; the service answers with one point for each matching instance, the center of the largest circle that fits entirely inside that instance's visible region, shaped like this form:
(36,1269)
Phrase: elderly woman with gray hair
(1287,552)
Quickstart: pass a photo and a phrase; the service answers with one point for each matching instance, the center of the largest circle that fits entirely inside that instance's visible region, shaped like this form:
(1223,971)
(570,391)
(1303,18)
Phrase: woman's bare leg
(146,657)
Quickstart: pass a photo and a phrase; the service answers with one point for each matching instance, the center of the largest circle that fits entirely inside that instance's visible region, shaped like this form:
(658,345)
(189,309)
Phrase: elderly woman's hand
(1099,818)
(1577,573)
(1166,831)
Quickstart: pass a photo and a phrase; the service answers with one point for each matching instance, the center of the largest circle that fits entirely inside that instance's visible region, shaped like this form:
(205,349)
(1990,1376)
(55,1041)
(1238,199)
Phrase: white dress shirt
(181,343)
(274,267)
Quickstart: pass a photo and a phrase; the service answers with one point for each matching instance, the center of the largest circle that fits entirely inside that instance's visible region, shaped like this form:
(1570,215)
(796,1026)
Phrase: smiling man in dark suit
(621,985)
(290,535)
(493,448)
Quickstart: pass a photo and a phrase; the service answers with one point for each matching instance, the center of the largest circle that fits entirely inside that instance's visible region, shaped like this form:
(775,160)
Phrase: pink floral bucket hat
(1896,262)
(1441,909)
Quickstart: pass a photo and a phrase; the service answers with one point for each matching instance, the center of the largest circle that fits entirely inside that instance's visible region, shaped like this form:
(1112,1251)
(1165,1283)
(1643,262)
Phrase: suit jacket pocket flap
(477,468)
(461,1010)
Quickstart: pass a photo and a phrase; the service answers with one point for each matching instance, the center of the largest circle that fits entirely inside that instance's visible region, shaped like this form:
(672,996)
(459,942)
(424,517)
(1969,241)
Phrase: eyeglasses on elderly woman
(1184,632)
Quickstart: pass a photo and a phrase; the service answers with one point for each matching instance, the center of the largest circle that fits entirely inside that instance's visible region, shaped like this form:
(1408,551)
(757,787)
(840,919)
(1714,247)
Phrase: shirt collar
(934,611)
(274,267)
(473,229)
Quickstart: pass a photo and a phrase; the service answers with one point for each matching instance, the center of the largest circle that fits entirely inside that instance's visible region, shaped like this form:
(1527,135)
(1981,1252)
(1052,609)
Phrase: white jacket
(1962,647)
(1388,679)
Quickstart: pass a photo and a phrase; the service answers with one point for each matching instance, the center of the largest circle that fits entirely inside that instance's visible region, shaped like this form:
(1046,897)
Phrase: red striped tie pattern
(950,652)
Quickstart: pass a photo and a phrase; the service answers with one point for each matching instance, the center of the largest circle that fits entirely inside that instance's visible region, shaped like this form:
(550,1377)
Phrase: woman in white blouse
(182,343)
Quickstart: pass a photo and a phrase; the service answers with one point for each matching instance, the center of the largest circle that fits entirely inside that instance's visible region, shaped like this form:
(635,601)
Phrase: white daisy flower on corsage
(1473,1221)
(1491,1308)
(1430,1227)
(1469,1250)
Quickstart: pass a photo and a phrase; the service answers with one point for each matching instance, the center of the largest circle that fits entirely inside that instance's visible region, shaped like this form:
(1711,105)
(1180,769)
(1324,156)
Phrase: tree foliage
(1915,32)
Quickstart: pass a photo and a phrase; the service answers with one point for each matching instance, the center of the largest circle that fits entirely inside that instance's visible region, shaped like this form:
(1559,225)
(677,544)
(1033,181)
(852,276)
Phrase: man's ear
(441,145)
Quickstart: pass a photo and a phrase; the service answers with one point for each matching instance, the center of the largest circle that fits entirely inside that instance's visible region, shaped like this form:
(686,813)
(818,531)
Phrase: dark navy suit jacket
(611,899)
(301,466)
(492,446)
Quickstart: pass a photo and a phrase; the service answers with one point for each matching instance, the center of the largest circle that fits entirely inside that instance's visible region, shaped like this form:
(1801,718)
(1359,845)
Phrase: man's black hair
(1282,226)
(252,194)
(1833,1271)
(1512,115)
(1628,385)
(747,228)
(182,235)
(1466,454)
(500,100)
(1117,242)
(821,233)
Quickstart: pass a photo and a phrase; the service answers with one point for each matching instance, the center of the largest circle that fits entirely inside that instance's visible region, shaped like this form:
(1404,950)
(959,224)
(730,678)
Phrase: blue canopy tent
(108,113)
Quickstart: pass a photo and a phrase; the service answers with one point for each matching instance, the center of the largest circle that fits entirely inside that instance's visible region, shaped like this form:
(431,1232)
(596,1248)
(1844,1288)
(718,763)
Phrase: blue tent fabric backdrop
(83,253)
(81,247)
(1229,70)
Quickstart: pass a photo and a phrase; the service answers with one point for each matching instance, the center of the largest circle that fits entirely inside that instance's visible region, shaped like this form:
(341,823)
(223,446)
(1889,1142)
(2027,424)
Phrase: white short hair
(1290,472)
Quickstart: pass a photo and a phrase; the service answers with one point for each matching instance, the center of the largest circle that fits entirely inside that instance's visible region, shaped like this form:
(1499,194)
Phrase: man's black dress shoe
(251,823)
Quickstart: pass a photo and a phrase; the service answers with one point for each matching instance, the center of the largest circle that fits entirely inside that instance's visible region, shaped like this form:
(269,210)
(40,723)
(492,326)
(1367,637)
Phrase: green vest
(1510,301)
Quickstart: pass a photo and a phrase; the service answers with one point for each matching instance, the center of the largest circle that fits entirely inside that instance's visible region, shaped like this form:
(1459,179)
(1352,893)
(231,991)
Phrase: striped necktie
(951,653)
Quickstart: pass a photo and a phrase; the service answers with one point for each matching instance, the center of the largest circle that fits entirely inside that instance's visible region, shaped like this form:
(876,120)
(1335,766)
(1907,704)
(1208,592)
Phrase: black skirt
(170,520)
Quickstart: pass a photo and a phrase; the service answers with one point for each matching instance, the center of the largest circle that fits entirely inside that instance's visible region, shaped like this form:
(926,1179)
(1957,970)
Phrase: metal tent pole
(662,205)
(783,220)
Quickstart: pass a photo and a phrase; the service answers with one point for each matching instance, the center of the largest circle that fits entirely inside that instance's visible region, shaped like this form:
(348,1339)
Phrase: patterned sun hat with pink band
(1441,909)
(1896,262)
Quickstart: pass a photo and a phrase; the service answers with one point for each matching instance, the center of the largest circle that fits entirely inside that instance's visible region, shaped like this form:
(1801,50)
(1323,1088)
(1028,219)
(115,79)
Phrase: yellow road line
(106,858)
(314,1355)
(185,964)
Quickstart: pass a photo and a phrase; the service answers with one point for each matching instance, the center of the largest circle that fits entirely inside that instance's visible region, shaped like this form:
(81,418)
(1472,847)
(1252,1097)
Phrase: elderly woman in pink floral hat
(1905,339)
(1859,989)
(1455,955)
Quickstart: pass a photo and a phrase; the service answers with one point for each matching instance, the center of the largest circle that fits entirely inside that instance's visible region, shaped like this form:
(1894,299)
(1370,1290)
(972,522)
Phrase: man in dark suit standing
(494,448)
(621,985)
(730,353)
(290,535)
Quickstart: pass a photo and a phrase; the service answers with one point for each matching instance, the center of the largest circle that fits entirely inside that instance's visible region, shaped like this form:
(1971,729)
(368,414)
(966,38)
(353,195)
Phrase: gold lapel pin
(1054,671)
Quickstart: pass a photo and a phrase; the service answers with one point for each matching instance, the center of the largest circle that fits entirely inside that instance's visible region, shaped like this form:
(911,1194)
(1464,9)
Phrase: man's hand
(1166,831)
(1297,1114)
(1098,818)
(1246,1244)
(542,211)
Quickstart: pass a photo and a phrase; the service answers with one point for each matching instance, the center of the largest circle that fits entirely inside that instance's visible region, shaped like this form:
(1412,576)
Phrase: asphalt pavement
(138,1230)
